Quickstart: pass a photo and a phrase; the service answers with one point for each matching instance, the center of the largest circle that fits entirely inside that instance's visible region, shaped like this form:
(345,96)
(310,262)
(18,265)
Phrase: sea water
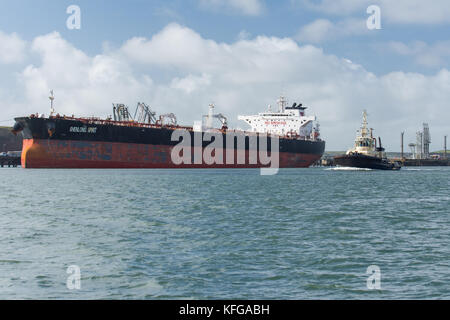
(312,233)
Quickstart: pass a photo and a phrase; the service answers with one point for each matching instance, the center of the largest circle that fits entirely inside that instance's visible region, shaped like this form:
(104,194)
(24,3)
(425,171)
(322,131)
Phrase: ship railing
(99,121)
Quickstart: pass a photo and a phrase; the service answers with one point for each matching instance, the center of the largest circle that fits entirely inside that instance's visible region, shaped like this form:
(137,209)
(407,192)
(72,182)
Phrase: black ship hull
(92,143)
(364,161)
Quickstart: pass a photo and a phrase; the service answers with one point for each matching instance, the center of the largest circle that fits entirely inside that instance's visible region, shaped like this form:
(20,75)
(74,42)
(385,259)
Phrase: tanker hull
(82,143)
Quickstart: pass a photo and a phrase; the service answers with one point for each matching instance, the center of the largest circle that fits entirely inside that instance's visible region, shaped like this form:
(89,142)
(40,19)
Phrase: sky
(241,55)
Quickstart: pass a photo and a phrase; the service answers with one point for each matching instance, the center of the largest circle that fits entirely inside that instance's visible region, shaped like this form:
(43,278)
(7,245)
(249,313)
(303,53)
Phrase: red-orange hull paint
(87,154)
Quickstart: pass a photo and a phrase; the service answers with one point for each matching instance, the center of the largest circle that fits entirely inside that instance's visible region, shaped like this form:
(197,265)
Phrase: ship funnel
(380,147)
(209,121)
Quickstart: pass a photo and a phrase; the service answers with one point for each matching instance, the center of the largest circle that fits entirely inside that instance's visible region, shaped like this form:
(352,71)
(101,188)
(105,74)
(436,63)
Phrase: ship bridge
(284,122)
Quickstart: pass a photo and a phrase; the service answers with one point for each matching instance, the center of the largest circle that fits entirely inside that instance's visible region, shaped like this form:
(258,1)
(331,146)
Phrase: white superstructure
(365,143)
(287,121)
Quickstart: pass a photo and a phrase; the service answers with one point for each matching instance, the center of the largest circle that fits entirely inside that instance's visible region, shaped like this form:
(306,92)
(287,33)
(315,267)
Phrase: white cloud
(174,46)
(244,35)
(12,48)
(435,55)
(395,11)
(322,30)
(416,11)
(191,83)
(180,48)
(316,31)
(83,84)
(245,7)
(179,71)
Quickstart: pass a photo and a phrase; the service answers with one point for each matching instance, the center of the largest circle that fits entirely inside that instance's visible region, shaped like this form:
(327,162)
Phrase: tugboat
(366,153)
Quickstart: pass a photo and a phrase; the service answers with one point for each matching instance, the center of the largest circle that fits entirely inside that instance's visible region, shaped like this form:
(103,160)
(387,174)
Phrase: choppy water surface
(212,234)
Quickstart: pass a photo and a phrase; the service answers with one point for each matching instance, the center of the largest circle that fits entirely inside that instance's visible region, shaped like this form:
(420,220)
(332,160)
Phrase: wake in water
(422,169)
(349,169)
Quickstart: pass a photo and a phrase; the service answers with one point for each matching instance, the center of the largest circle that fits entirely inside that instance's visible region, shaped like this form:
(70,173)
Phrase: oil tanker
(145,141)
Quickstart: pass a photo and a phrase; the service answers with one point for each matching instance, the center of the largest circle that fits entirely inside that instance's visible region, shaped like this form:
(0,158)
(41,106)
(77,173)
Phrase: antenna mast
(282,103)
(364,130)
(52,97)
